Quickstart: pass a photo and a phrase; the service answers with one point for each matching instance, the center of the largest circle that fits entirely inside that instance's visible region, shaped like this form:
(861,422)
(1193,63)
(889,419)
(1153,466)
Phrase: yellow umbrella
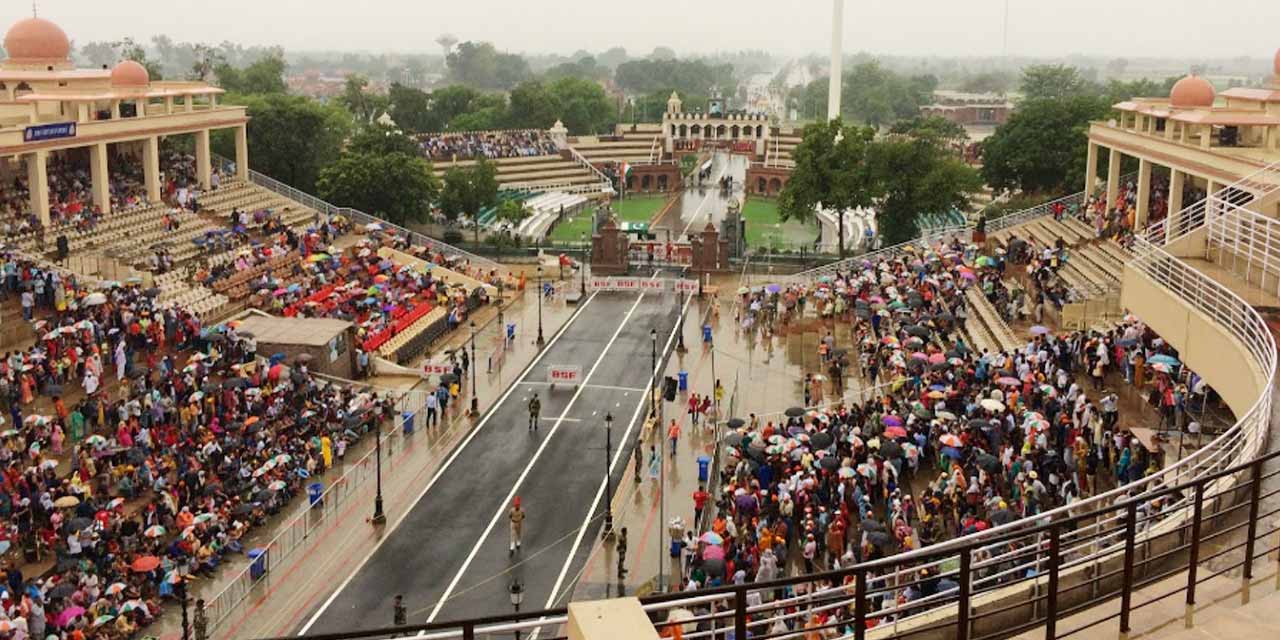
(66,502)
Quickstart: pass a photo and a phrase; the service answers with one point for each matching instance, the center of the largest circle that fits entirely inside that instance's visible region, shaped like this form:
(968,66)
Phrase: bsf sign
(43,132)
(437,368)
(570,375)
(687,286)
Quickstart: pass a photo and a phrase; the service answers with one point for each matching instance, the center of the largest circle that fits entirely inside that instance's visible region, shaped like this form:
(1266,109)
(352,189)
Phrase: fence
(1249,189)
(308,519)
(1248,244)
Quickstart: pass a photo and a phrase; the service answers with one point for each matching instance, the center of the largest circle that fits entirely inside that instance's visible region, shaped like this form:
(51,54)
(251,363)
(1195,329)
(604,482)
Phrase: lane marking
(595,503)
(524,473)
(707,198)
(606,387)
(439,473)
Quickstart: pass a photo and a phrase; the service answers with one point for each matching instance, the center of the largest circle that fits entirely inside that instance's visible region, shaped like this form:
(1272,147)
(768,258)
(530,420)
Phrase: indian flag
(626,169)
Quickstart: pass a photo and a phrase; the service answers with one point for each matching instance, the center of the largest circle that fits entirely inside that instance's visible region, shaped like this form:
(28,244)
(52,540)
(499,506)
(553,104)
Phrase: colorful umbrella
(154,531)
(145,564)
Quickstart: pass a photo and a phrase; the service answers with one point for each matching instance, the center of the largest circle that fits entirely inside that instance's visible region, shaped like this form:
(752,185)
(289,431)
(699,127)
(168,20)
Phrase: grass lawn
(638,208)
(766,230)
(571,229)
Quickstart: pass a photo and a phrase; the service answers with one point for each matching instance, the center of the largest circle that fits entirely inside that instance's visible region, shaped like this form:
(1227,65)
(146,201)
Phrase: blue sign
(42,132)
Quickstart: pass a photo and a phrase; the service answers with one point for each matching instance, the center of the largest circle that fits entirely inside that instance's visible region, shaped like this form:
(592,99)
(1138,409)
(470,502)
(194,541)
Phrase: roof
(1158,109)
(311,332)
(18,75)
(1256,95)
(119,93)
(1222,117)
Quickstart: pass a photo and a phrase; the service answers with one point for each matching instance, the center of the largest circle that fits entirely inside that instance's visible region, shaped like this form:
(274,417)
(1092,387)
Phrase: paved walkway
(332,548)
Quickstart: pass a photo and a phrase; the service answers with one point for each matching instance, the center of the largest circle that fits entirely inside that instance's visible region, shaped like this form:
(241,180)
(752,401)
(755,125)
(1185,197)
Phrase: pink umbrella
(919,355)
(67,615)
(1009,381)
(892,421)
(713,552)
(895,432)
(937,358)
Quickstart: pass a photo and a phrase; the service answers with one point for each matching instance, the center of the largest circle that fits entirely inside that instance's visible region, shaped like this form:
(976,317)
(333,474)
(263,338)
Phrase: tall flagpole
(837,58)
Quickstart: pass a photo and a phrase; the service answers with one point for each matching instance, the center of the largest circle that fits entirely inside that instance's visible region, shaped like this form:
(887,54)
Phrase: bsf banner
(437,368)
(645,285)
(564,374)
(687,286)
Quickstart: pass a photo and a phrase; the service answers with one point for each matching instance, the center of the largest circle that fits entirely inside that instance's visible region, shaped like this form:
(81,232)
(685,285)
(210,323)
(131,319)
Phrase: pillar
(1113,178)
(115,109)
(203,164)
(101,176)
(151,168)
(1177,181)
(38,183)
(242,152)
(837,59)
(1144,194)
(1091,169)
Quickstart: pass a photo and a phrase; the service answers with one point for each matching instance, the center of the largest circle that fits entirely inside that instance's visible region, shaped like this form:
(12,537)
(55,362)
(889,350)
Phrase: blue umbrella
(952,452)
(1161,358)
(773,288)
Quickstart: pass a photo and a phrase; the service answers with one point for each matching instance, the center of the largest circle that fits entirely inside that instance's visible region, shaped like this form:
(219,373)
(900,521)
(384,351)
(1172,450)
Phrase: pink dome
(129,74)
(36,40)
(1192,92)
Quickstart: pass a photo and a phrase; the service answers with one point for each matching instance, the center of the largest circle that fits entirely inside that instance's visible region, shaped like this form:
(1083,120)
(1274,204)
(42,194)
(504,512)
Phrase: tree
(997,82)
(513,211)
(688,165)
(480,65)
(1053,82)
(292,137)
(830,174)
(363,105)
(533,106)
(612,58)
(446,42)
(663,53)
(262,77)
(395,186)
(451,102)
(99,54)
(936,128)
(915,174)
(582,105)
(688,77)
(469,190)
(411,109)
(1042,148)
(207,58)
(379,140)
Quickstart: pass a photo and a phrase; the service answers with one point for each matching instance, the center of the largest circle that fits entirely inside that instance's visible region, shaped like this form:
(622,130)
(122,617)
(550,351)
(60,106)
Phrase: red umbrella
(145,564)
(895,432)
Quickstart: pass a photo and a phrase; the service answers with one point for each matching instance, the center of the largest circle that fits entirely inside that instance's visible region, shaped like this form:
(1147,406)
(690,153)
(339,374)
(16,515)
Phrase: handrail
(356,215)
(1242,192)
(605,183)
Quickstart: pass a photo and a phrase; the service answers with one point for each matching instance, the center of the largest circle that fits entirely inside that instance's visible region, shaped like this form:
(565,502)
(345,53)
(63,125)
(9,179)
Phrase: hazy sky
(1181,28)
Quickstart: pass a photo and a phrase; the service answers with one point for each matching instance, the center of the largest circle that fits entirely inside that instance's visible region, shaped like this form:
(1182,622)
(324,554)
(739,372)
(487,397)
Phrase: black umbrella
(242,510)
(210,387)
(890,449)
(62,590)
(733,439)
(53,390)
(915,364)
(235,383)
(736,423)
(713,567)
(139,372)
(80,524)
(840,353)
(871,524)
(988,462)
(919,331)
(879,538)
(151,293)
(940,366)
(216,337)
(794,412)
(830,463)
(1002,516)
(448,378)
(979,424)
(821,440)
(862,313)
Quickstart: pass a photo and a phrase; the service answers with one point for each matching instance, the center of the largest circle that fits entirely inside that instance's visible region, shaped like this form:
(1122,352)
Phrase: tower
(673,103)
(837,58)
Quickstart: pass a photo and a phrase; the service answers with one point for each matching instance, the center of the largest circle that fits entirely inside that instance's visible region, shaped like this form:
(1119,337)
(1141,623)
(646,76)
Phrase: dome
(129,74)
(1192,92)
(36,39)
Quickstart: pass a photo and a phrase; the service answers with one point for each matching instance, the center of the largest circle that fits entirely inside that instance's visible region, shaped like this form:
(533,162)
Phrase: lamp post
(516,591)
(502,326)
(541,340)
(680,319)
(653,388)
(475,391)
(662,463)
(378,516)
(608,494)
(582,269)
(181,588)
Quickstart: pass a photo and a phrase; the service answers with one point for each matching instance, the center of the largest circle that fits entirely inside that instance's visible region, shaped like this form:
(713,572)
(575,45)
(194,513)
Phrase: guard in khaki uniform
(516,516)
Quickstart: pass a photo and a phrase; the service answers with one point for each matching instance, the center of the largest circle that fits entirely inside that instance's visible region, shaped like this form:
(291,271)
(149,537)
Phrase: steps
(981,311)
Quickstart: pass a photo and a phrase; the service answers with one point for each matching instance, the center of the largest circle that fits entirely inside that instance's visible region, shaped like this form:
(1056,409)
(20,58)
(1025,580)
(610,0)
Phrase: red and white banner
(687,286)
(645,285)
(564,374)
(437,368)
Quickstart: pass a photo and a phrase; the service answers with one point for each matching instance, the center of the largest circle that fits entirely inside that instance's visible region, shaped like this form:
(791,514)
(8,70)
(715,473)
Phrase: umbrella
(1008,381)
(154,531)
(145,564)
(736,423)
(713,552)
(132,605)
(890,449)
(277,485)
(918,331)
(205,517)
(448,378)
(1164,359)
(830,463)
(845,473)
(305,357)
(733,439)
(116,589)
(950,440)
(794,412)
(1039,330)
(95,299)
(879,538)
(1002,516)
(952,452)
(713,567)
(821,440)
(992,405)
(891,421)
(103,619)
(988,462)
(70,613)
(66,502)
(712,537)
(979,424)
(895,431)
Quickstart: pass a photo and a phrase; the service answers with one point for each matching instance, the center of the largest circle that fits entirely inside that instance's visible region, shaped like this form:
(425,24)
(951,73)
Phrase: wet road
(449,555)
(699,205)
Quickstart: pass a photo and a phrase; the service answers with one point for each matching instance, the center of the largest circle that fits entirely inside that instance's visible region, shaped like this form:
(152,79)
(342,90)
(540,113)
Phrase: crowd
(953,440)
(487,144)
(1117,221)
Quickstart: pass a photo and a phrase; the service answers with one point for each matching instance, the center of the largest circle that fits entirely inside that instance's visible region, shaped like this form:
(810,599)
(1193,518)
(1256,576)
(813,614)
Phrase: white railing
(1251,188)
(360,217)
(1248,244)
(655,150)
(606,184)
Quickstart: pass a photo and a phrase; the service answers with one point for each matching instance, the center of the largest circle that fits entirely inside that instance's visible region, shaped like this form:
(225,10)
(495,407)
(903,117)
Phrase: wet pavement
(697,206)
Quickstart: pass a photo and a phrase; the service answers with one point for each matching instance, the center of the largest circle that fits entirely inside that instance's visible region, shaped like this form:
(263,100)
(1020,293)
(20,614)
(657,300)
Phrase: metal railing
(1249,189)
(1248,244)
(358,216)
(606,185)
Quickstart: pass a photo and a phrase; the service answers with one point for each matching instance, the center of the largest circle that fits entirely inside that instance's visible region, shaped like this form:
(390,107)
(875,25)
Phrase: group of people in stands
(487,144)
(952,440)
(1117,221)
(139,447)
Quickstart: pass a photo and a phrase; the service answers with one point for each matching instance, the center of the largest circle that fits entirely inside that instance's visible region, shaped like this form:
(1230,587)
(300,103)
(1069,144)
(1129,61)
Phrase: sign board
(679,253)
(635,227)
(41,132)
(687,286)
(564,374)
(437,368)
(644,285)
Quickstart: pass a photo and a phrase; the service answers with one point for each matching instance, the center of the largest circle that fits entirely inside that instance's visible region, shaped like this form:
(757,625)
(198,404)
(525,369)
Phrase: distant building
(969,109)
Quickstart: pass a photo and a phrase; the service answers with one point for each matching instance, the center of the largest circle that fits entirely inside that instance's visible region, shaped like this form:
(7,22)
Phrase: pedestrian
(700,498)
(622,553)
(535,407)
(432,404)
(399,617)
(673,434)
(516,516)
(200,624)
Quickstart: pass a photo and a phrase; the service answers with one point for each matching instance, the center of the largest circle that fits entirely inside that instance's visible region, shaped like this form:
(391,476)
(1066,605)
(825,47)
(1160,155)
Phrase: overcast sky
(1181,28)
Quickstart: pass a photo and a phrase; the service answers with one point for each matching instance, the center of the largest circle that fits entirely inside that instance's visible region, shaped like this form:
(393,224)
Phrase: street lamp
(608,502)
(181,588)
(516,591)
(378,516)
(653,388)
(475,391)
(541,340)
(582,268)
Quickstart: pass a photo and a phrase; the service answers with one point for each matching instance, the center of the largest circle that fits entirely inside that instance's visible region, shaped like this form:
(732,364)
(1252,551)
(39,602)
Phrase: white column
(1177,180)
(151,168)
(38,183)
(100,176)
(1113,178)
(1144,194)
(242,152)
(1091,169)
(203,164)
(837,58)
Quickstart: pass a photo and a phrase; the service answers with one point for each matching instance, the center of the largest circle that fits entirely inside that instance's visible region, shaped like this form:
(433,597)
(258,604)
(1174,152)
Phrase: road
(449,555)
(697,205)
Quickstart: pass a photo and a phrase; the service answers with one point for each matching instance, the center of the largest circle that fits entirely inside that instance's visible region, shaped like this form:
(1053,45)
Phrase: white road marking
(445,467)
(707,198)
(593,386)
(502,507)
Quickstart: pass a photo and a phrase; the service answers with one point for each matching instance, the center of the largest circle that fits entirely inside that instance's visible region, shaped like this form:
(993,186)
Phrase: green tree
(99,53)
(129,49)
(365,106)
(207,58)
(411,109)
(989,82)
(469,190)
(291,137)
(512,211)
(1053,82)
(1042,148)
(482,119)
(916,175)
(688,77)
(933,127)
(532,105)
(829,173)
(395,186)
(480,65)
(379,140)
(583,105)
(263,76)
